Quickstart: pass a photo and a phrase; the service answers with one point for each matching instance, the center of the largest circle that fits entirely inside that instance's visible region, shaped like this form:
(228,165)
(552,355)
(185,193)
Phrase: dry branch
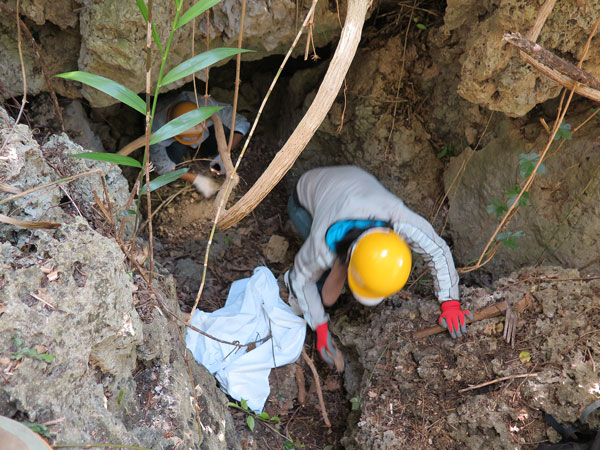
(488,312)
(563,72)
(540,20)
(318,386)
(28,223)
(497,380)
(225,154)
(313,118)
(43,66)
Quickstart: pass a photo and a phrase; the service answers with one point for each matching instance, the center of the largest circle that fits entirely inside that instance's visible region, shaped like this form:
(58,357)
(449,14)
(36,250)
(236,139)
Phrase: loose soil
(182,229)
(398,392)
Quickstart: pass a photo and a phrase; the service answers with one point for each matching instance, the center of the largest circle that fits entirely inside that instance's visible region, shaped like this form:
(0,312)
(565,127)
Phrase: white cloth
(253,310)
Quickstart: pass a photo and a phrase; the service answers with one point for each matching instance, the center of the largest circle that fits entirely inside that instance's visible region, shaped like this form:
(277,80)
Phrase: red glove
(325,344)
(454,318)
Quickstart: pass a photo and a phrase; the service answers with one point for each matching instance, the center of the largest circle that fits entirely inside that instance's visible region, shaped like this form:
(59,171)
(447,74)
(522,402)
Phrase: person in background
(356,230)
(167,154)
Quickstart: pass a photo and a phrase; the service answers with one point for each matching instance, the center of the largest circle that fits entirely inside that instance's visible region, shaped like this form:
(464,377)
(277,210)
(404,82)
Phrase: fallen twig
(318,386)
(301,387)
(488,312)
(498,380)
(563,72)
(28,223)
(62,180)
(36,49)
(42,300)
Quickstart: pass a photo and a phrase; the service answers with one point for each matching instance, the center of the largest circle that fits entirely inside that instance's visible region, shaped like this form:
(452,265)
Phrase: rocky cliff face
(109,375)
(108,38)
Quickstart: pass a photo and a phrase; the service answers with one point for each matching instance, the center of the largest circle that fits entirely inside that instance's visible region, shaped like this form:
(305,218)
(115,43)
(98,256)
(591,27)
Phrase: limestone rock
(114,37)
(562,213)
(59,12)
(387,365)
(67,297)
(276,249)
(493,75)
(23,167)
(375,135)
(60,50)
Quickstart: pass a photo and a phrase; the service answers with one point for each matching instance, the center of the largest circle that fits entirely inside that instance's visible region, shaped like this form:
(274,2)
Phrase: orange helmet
(379,265)
(178,110)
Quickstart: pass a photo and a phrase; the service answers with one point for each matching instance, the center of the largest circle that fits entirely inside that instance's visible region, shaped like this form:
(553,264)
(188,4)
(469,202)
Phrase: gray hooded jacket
(333,194)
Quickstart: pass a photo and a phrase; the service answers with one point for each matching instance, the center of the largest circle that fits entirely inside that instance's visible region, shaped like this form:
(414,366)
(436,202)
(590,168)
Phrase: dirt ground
(265,238)
(477,392)
(397,391)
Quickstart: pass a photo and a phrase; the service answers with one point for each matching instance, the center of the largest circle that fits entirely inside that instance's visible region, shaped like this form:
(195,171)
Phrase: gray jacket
(332,194)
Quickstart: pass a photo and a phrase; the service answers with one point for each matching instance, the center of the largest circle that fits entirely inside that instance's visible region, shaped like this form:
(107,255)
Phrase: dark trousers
(208,149)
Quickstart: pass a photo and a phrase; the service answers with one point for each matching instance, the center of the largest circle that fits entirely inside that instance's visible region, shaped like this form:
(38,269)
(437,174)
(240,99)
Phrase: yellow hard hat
(379,265)
(178,110)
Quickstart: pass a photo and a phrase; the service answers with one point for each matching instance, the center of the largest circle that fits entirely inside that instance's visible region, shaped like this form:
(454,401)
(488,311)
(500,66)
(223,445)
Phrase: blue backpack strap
(338,230)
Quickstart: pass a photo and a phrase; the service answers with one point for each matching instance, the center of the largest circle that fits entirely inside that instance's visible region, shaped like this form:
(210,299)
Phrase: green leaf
(183,123)
(509,238)
(38,428)
(563,132)
(33,354)
(166,178)
(120,397)
(498,207)
(289,445)
(144,10)
(526,169)
(524,199)
(195,11)
(250,422)
(263,416)
(356,402)
(527,162)
(199,62)
(245,405)
(46,357)
(529,157)
(110,87)
(420,26)
(275,419)
(525,356)
(233,404)
(512,195)
(448,150)
(109,157)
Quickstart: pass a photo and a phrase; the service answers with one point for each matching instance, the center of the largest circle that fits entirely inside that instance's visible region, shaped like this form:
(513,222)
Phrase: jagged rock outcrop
(109,38)
(110,375)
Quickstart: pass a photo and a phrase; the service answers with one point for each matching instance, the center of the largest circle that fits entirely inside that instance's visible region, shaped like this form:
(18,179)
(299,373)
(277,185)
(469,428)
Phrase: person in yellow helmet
(356,230)
(166,154)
